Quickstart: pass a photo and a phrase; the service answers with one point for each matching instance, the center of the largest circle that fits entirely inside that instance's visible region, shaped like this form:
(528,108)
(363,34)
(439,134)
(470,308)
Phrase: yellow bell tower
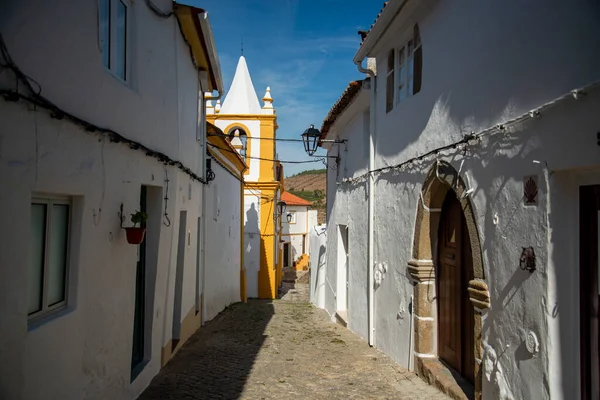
(251,130)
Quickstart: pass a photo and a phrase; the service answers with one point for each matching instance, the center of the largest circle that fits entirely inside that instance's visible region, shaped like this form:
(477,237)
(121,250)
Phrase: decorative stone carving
(479,294)
(421,270)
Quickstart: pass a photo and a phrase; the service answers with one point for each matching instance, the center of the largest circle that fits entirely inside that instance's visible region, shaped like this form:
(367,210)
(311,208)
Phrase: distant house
(101,109)
(462,225)
(298,220)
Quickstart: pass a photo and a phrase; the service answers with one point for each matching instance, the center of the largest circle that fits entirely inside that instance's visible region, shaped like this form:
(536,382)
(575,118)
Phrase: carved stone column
(480,298)
(423,274)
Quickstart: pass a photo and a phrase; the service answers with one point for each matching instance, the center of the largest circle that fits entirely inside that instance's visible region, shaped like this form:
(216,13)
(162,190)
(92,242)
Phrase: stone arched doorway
(444,186)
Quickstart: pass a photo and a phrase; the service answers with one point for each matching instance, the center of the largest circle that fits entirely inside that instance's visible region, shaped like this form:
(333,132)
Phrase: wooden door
(455,312)
(449,287)
(589,221)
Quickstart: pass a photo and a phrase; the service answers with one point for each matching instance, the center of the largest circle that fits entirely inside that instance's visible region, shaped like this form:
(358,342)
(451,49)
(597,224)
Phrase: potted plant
(135,234)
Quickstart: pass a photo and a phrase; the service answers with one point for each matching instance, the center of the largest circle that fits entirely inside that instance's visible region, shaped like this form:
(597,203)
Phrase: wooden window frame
(409,66)
(390,81)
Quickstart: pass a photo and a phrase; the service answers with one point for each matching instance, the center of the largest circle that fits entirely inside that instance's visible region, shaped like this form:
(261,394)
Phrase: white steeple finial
(241,98)
(218,107)
(268,107)
(209,106)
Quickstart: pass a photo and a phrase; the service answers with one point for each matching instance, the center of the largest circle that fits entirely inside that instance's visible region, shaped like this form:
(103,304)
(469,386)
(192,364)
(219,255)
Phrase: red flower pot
(135,235)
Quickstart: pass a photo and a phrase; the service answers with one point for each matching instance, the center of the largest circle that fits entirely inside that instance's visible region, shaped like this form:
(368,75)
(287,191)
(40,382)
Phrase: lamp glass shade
(289,217)
(311,138)
(281,205)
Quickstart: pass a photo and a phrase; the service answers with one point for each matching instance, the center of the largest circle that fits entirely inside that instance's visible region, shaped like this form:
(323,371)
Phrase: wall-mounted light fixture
(289,217)
(281,206)
(312,138)
(210,174)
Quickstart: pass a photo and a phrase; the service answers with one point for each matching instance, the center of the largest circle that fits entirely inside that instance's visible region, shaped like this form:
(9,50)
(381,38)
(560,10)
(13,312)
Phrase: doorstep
(438,374)
(341,317)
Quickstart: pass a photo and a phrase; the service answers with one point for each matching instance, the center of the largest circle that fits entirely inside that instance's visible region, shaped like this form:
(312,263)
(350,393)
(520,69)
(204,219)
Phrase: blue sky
(302,49)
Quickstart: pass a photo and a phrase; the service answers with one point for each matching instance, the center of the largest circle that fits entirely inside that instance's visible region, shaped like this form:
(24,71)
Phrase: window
(389,88)
(113,26)
(48,256)
(409,70)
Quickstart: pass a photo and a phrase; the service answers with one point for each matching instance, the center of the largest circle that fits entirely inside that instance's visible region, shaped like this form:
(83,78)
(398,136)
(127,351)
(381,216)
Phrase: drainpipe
(371,201)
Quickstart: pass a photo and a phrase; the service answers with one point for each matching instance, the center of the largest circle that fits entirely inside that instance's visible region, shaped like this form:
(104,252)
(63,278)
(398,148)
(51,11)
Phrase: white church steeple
(241,98)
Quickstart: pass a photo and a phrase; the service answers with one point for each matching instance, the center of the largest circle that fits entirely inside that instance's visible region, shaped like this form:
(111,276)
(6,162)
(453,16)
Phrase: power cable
(258,138)
(268,159)
(57,113)
(473,136)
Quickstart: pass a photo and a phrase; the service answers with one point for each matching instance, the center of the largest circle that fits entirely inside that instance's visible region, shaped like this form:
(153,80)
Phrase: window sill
(37,322)
(137,370)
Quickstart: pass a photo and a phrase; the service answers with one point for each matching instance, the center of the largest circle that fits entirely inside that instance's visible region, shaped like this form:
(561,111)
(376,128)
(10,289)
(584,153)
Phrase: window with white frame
(48,270)
(113,34)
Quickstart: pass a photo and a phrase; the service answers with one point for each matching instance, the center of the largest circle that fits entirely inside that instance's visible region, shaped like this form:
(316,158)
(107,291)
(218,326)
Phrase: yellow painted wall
(270,273)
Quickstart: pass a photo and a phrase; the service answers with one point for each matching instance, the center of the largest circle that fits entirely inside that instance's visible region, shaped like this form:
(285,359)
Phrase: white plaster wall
(471,82)
(85,352)
(254,145)
(72,74)
(348,206)
(222,243)
(318,265)
(252,240)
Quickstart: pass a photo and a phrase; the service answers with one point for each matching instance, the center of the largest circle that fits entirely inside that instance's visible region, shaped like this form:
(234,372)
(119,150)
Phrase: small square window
(48,268)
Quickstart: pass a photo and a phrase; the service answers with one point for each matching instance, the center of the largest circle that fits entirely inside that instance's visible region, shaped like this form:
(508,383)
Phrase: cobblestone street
(282,349)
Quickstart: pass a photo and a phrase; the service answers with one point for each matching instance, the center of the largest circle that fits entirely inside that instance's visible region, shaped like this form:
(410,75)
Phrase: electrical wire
(476,137)
(56,112)
(268,159)
(258,138)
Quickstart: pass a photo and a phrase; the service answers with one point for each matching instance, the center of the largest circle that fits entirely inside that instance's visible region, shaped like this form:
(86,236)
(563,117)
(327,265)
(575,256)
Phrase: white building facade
(474,239)
(102,116)
(297,223)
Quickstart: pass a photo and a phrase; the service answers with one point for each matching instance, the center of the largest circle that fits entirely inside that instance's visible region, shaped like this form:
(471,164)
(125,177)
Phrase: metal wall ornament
(527,259)
(530,190)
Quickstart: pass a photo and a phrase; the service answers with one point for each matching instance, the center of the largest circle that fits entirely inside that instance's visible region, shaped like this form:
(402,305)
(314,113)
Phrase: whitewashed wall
(252,241)
(85,352)
(318,266)
(222,275)
(471,82)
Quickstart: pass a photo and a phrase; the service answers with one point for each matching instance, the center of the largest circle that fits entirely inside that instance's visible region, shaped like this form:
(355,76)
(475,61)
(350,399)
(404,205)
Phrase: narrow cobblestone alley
(282,349)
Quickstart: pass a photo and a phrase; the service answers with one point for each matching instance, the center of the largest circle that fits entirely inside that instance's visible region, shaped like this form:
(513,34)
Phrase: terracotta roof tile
(339,107)
(374,22)
(293,200)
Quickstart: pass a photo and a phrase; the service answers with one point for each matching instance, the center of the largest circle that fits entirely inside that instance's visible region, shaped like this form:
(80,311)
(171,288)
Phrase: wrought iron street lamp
(281,205)
(312,139)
